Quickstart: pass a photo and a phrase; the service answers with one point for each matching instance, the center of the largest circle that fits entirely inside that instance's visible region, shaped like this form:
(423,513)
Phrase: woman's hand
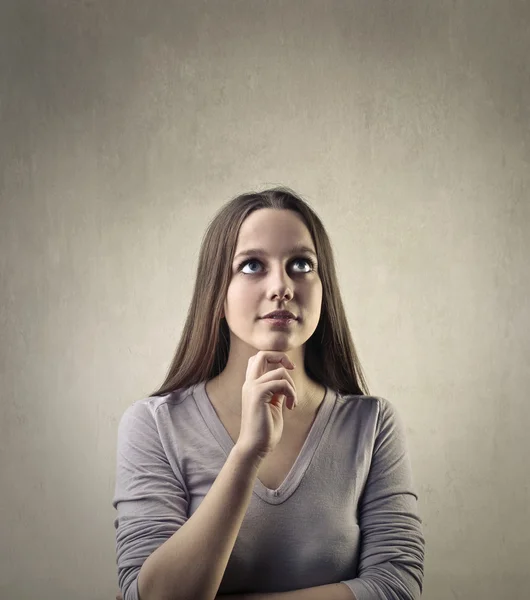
(119,596)
(262,397)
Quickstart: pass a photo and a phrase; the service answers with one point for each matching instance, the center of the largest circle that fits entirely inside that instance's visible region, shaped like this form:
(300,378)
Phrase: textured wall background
(126,124)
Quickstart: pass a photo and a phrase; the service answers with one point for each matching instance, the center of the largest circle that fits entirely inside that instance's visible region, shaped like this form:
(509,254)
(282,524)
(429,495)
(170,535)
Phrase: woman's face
(276,279)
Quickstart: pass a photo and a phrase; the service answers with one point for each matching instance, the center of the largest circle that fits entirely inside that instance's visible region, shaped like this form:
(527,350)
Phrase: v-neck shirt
(346,512)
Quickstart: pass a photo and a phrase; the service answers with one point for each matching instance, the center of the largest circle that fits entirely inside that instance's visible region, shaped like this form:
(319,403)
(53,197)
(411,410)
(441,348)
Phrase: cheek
(240,294)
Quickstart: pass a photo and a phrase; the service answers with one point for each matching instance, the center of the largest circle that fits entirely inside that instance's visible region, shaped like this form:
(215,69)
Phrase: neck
(227,389)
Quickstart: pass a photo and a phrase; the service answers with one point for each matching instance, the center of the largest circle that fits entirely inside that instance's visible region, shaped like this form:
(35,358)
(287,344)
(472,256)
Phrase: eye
(297,259)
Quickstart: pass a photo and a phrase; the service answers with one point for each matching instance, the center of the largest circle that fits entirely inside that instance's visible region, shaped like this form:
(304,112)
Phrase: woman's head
(274,268)
(232,292)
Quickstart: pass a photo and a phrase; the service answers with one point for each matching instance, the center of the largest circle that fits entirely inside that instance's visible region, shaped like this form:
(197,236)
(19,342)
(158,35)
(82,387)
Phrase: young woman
(262,468)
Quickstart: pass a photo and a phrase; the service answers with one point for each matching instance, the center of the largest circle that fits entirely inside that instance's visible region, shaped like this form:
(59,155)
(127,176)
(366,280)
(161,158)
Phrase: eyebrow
(261,252)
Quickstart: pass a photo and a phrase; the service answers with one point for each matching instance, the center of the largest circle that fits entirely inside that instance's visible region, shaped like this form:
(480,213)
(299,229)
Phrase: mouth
(281,315)
(279,321)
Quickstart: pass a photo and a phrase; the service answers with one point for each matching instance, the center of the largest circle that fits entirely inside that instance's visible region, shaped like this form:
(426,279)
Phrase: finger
(264,359)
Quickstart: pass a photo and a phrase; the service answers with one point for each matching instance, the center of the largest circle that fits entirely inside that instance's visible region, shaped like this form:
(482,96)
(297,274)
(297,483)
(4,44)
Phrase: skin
(277,280)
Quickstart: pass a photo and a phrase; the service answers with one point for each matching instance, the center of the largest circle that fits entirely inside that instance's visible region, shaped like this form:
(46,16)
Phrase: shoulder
(376,406)
(376,414)
(146,413)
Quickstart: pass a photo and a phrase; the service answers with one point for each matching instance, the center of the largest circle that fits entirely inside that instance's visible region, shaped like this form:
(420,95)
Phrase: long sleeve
(392,543)
(150,495)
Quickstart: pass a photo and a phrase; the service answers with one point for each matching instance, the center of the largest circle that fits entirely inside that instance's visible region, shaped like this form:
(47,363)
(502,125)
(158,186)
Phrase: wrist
(248,458)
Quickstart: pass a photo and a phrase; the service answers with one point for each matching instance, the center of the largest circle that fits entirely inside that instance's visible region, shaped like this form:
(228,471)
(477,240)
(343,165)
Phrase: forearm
(334,591)
(191,564)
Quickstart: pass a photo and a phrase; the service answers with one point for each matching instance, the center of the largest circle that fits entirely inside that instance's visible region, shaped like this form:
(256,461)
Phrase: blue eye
(297,259)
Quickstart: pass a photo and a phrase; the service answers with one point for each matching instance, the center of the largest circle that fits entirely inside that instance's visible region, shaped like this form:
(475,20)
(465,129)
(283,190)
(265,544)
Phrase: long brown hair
(202,353)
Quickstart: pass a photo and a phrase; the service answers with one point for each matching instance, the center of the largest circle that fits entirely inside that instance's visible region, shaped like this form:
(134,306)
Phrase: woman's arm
(162,553)
(393,546)
(334,591)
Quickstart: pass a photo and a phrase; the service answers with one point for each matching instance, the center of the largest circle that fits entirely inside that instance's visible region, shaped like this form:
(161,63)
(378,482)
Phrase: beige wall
(126,124)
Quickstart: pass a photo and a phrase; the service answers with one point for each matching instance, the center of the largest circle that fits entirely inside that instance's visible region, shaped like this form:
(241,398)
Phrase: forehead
(271,229)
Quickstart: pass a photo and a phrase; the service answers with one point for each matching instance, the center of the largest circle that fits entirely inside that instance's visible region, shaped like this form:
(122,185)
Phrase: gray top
(346,512)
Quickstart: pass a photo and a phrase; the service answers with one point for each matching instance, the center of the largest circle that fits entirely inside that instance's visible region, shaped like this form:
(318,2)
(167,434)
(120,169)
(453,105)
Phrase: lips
(277,314)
